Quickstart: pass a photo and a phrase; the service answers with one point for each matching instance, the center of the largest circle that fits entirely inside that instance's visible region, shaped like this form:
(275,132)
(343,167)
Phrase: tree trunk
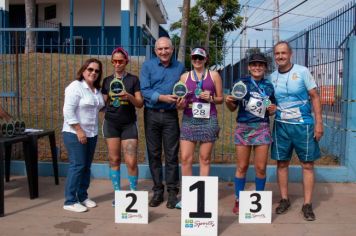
(183,35)
(207,39)
(30,9)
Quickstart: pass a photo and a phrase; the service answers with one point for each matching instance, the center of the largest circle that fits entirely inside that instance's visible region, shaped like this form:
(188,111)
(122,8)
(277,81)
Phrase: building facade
(90,22)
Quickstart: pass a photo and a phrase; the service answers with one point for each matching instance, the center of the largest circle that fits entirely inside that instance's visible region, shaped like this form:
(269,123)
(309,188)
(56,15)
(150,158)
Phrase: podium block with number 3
(131,207)
(255,207)
(199,214)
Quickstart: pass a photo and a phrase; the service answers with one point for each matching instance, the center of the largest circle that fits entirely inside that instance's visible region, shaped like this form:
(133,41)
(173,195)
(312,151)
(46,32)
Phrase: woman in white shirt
(82,103)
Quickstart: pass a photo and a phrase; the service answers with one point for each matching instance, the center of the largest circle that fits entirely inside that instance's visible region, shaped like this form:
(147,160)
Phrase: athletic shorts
(113,130)
(300,137)
(253,134)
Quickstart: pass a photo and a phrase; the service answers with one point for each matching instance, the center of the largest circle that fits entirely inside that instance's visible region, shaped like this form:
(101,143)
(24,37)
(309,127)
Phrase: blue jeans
(80,158)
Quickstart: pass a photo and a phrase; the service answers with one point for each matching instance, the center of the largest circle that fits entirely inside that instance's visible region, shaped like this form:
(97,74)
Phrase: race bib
(291,113)
(201,110)
(256,107)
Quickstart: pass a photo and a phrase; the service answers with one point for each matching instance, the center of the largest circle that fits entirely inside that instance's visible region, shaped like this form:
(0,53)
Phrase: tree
(207,19)
(220,13)
(30,9)
(183,35)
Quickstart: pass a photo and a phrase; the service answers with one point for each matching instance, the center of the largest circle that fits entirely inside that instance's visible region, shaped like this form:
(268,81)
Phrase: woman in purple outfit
(200,122)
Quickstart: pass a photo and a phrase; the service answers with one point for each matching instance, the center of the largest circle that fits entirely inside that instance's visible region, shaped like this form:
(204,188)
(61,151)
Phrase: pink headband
(121,50)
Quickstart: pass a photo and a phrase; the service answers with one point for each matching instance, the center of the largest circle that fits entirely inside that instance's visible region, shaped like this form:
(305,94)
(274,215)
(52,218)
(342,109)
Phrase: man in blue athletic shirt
(295,127)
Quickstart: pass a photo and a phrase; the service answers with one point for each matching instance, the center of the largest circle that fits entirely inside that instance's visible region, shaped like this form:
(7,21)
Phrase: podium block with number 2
(255,207)
(131,207)
(199,214)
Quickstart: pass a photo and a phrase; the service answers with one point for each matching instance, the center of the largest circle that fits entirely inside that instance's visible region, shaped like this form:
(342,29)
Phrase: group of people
(290,95)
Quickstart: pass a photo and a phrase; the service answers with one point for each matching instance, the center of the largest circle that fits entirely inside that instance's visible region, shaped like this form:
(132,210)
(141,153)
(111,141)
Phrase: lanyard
(122,78)
(261,91)
(199,82)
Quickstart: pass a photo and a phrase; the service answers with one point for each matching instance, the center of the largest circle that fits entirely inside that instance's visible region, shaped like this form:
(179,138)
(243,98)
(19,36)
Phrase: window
(148,21)
(50,12)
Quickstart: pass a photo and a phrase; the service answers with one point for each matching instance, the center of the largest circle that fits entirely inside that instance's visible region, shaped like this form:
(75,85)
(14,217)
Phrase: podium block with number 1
(199,214)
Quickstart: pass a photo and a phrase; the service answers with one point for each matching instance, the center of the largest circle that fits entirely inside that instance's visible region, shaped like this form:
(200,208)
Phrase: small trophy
(22,127)
(7,128)
(239,90)
(19,126)
(180,89)
(116,87)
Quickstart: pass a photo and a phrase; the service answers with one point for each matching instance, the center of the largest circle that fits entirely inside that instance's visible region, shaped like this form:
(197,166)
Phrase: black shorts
(113,130)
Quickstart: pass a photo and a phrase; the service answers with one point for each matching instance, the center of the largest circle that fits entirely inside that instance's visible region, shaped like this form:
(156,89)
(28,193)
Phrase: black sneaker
(308,213)
(283,207)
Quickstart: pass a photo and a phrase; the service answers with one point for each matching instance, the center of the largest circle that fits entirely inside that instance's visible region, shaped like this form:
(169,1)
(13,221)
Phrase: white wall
(4,5)
(88,13)
(154,29)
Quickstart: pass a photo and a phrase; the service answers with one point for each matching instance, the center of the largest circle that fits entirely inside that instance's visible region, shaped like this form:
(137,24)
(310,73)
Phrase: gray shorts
(114,130)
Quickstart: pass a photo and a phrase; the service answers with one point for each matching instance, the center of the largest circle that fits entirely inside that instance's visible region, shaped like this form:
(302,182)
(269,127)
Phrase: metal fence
(32,85)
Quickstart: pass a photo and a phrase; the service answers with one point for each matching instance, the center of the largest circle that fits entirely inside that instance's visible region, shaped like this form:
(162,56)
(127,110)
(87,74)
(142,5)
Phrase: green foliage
(208,22)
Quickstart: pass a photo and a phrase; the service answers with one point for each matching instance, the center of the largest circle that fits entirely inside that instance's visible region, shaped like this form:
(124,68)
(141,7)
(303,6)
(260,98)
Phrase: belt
(162,110)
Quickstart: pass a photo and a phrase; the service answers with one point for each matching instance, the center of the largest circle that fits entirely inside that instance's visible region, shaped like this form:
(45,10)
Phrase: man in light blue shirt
(157,78)
(295,127)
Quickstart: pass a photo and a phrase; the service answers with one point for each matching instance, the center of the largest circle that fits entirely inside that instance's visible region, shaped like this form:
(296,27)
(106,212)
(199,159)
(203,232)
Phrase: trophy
(116,87)
(22,127)
(19,126)
(7,128)
(239,90)
(180,89)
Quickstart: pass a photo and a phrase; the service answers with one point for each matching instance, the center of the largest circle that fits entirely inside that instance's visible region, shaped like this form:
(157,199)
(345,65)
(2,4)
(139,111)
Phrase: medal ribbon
(259,89)
(199,82)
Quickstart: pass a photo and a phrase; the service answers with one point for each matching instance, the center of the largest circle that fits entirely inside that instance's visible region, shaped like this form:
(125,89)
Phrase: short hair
(164,38)
(80,77)
(283,42)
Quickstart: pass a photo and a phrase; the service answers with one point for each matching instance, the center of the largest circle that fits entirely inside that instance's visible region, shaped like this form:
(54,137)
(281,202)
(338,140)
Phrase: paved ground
(334,204)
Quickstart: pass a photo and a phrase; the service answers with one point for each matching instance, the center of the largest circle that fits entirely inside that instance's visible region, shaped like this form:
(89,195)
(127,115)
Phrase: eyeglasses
(92,69)
(198,57)
(120,62)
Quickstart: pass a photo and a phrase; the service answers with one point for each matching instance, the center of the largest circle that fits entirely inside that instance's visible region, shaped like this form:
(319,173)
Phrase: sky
(258,11)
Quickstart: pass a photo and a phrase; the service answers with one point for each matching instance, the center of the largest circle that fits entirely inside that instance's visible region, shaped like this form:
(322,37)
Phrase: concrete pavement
(334,206)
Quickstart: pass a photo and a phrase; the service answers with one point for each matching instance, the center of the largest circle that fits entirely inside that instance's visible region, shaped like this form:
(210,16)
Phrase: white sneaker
(89,203)
(76,207)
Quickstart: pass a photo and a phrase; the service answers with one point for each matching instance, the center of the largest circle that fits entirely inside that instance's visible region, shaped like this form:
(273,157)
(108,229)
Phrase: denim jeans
(80,158)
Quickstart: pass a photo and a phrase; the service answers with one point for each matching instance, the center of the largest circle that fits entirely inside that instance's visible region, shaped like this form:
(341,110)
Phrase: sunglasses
(92,69)
(120,62)
(198,57)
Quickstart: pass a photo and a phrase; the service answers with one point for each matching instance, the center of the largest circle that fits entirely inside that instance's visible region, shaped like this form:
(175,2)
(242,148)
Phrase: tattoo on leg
(130,149)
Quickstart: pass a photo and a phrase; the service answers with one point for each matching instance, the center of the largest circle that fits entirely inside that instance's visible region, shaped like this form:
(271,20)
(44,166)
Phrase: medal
(198,91)
(199,88)
(180,89)
(239,90)
(266,102)
(116,102)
